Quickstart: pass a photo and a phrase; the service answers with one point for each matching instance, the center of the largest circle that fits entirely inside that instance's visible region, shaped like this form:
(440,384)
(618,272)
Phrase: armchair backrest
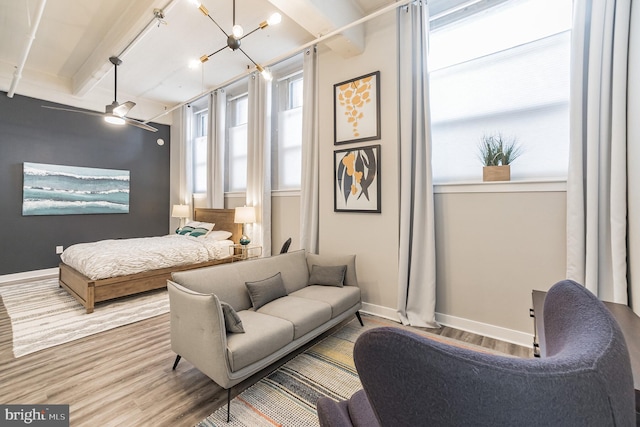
(413,380)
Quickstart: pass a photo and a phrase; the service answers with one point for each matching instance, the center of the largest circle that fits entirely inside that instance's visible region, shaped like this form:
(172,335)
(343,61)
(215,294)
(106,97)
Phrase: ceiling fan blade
(90,113)
(141,125)
(122,109)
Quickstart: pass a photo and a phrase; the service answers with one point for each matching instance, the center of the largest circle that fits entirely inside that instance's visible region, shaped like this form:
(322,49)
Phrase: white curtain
(259,161)
(633,160)
(417,261)
(597,181)
(215,149)
(309,191)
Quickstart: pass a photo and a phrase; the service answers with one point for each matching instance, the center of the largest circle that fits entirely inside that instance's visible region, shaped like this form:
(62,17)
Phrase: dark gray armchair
(409,380)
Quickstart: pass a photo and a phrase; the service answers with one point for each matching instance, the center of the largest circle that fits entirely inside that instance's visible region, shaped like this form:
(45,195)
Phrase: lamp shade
(245,215)
(180,211)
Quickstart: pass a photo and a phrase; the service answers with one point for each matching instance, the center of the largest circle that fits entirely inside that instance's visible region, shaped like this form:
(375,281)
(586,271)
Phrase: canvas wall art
(70,190)
(356,109)
(357,179)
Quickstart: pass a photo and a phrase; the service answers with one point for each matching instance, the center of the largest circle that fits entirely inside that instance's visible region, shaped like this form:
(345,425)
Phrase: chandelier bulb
(274,19)
(237,31)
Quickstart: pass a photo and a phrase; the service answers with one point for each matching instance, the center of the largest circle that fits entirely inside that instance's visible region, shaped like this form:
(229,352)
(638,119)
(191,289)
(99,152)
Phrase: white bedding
(111,258)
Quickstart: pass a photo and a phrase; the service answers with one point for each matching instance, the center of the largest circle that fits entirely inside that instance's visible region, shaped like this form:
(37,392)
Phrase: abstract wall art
(356,109)
(69,190)
(357,179)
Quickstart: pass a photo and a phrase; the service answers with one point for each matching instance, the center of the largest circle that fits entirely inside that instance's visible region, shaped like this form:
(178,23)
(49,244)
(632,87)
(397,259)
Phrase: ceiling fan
(114,113)
(237,34)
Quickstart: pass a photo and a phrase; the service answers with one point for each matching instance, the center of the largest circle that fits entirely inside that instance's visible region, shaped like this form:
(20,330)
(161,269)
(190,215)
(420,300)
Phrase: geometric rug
(44,315)
(288,396)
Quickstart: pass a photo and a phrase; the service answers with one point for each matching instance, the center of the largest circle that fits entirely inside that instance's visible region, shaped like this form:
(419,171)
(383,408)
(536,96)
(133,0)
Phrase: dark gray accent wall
(30,133)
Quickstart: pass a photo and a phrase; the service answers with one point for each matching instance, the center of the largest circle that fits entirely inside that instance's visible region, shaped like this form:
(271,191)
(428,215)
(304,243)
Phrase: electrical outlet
(59,249)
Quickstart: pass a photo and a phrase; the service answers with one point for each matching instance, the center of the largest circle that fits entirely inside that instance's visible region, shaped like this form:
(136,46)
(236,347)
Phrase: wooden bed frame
(89,292)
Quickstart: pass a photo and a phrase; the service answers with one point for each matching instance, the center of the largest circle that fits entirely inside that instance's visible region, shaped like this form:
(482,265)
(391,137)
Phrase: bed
(91,291)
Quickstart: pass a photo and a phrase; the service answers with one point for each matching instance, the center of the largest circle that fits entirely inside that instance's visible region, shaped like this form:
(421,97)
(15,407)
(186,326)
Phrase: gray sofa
(282,302)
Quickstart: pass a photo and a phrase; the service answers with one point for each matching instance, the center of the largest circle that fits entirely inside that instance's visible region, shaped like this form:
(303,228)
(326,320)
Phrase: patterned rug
(288,396)
(44,315)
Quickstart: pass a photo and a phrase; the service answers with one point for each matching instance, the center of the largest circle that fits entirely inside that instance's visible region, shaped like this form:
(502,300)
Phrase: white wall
(493,246)
(372,237)
(492,249)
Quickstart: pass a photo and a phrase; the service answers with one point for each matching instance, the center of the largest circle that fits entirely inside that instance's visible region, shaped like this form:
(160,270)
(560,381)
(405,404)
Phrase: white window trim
(520,186)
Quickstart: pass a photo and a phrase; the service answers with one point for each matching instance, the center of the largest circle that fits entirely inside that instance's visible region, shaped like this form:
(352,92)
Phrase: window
(286,155)
(236,173)
(503,68)
(199,150)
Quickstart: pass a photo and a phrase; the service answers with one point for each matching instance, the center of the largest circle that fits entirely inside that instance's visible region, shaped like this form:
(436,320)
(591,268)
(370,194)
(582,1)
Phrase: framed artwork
(69,190)
(356,109)
(356,174)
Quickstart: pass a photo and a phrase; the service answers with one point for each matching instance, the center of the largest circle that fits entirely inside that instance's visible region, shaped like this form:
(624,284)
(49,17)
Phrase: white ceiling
(68,59)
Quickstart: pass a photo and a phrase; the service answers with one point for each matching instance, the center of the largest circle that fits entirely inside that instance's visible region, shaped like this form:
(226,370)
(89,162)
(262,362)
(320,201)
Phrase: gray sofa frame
(197,323)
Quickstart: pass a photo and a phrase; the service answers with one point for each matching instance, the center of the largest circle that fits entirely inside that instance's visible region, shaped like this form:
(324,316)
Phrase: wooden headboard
(222,218)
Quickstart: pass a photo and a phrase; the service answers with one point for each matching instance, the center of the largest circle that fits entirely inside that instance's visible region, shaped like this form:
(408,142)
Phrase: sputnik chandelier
(237,35)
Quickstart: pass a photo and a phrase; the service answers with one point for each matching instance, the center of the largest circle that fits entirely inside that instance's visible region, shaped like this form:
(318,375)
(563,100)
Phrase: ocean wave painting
(72,190)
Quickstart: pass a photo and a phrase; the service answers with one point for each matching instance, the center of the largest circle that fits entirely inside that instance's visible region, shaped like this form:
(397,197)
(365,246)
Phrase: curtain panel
(310,184)
(417,261)
(258,192)
(215,149)
(597,227)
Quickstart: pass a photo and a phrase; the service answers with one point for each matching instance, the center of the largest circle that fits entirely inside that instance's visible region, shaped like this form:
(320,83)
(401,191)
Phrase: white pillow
(219,235)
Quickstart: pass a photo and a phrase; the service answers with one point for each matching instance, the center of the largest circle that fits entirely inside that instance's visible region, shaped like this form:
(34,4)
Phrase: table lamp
(245,215)
(182,212)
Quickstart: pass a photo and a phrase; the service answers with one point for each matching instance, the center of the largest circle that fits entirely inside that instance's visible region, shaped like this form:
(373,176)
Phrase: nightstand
(240,252)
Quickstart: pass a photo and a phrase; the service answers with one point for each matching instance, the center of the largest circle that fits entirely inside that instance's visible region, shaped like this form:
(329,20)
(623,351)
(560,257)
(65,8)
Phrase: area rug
(288,396)
(44,315)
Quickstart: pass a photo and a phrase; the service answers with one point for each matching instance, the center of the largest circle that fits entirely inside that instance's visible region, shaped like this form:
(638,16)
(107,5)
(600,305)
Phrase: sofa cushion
(350,278)
(327,275)
(263,336)
(340,299)
(232,322)
(266,290)
(304,314)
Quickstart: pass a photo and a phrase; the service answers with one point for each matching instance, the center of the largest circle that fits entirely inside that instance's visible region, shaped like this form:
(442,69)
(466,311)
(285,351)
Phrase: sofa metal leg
(176,362)
(359,318)
(228,405)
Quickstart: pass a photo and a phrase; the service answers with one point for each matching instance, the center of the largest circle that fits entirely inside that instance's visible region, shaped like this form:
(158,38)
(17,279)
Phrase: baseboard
(484,329)
(487,330)
(380,311)
(8,279)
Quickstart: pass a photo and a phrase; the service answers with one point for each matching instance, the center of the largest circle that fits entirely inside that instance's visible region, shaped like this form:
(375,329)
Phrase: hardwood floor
(123,377)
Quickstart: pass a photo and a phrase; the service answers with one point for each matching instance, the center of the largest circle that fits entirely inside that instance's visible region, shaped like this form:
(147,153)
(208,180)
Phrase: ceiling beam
(320,17)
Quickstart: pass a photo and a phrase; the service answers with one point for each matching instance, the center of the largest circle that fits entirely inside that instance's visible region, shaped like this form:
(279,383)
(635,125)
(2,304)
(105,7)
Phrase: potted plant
(496,154)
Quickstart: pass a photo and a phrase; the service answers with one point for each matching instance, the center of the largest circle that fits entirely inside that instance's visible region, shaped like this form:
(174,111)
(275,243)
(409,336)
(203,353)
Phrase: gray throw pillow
(232,322)
(350,278)
(327,275)
(264,291)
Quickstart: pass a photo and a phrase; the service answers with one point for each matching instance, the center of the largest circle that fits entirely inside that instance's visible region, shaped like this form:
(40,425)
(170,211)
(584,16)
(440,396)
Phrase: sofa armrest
(197,331)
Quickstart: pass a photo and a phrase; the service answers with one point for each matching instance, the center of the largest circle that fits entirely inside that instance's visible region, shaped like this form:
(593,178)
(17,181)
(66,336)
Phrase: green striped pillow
(198,231)
(185,230)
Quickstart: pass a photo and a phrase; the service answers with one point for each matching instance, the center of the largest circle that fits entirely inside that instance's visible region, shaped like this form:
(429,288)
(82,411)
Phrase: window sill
(285,193)
(517,186)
